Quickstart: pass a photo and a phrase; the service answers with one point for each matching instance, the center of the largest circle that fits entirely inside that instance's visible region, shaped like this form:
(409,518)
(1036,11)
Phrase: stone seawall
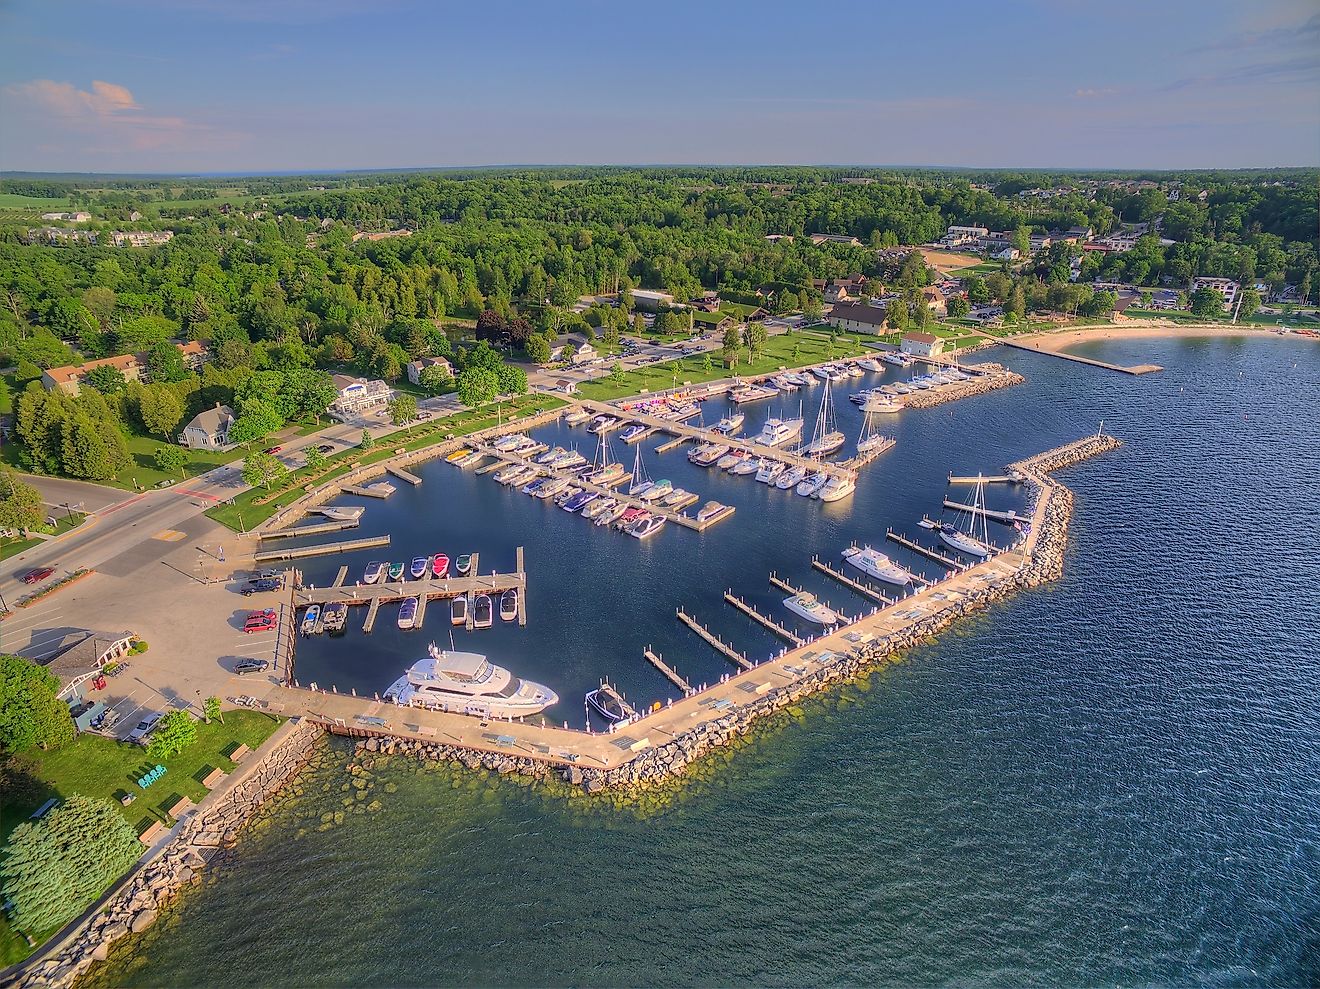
(996,376)
(659,765)
(133,905)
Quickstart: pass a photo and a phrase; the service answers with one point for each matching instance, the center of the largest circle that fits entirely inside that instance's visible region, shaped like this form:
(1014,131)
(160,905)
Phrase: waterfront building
(358,396)
(415,368)
(209,429)
(922,344)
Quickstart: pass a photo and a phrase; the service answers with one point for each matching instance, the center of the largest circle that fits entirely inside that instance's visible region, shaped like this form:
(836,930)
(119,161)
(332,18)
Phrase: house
(68,379)
(775,238)
(566,386)
(858,318)
(922,344)
(708,303)
(140,238)
(58,235)
(82,654)
(1040,241)
(650,300)
(195,354)
(958,236)
(934,297)
(819,239)
(358,396)
(1226,287)
(583,353)
(415,368)
(1004,254)
(209,429)
(67,217)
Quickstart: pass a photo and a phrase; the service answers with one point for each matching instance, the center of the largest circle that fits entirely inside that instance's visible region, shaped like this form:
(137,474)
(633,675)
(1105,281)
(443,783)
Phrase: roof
(80,652)
(210,420)
(859,313)
(74,372)
(343,381)
(920,337)
(193,347)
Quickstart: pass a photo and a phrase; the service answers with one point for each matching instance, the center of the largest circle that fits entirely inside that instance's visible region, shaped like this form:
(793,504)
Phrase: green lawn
(786,350)
(12,200)
(12,547)
(244,512)
(6,394)
(145,474)
(101,767)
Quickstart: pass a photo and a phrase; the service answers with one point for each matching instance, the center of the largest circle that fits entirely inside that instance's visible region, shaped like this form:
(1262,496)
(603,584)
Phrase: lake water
(1115,779)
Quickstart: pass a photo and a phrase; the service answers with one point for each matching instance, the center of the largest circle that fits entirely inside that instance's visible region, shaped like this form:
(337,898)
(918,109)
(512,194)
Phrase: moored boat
(468,683)
(791,478)
(373,572)
(875,564)
(597,506)
(612,514)
(417,569)
(657,491)
(730,424)
(778,431)
(748,465)
(606,701)
(407,613)
(458,610)
(396,571)
(333,617)
(870,364)
(509,605)
(311,621)
(713,510)
(579,501)
(462,565)
(483,611)
(730,460)
(648,526)
(440,565)
(812,483)
(836,488)
(770,471)
(806,606)
(577,416)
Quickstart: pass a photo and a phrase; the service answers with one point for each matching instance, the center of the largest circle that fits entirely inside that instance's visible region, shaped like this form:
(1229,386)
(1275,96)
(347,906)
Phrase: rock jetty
(992,376)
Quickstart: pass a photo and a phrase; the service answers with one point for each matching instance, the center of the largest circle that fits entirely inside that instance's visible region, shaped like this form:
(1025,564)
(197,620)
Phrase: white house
(209,429)
(957,236)
(583,353)
(1224,286)
(922,344)
(358,396)
(415,368)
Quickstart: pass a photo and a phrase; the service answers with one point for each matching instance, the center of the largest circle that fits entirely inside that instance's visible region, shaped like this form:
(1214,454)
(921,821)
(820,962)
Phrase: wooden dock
(370,622)
(404,475)
(720,646)
(1008,518)
(323,549)
(765,621)
(367,492)
(308,530)
(668,671)
(425,589)
(341,576)
(421,610)
(673,444)
(862,459)
(920,550)
(520,568)
(986,479)
(784,585)
(852,585)
(1037,349)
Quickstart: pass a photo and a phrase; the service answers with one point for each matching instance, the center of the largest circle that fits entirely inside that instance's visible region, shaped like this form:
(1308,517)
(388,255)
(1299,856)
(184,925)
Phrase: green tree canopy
(31,713)
(477,386)
(402,408)
(262,469)
(170,459)
(174,733)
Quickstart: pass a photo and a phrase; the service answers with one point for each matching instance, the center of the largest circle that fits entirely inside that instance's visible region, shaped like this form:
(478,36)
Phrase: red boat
(440,565)
(630,516)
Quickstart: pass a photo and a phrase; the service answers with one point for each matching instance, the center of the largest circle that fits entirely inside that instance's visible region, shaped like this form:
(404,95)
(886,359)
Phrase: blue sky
(247,85)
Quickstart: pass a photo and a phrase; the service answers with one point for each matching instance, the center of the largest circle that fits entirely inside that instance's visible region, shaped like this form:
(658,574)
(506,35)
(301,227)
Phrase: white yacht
(806,606)
(730,424)
(791,478)
(836,488)
(876,402)
(870,364)
(468,683)
(770,471)
(875,564)
(810,485)
(777,431)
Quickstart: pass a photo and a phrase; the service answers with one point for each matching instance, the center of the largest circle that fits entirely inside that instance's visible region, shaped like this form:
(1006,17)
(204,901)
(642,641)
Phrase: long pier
(1037,349)
(314,529)
(1008,518)
(986,479)
(670,444)
(720,646)
(767,622)
(852,585)
(427,588)
(403,475)
(783,585)
(920,550)
(323,549)
(672,674)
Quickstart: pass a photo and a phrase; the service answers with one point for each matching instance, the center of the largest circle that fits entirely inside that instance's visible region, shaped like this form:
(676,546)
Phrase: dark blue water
(1114,780)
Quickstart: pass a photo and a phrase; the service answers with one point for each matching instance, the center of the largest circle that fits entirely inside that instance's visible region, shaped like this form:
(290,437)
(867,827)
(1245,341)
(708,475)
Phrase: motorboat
(657,491)
(770,471)
(579,501)
(706,454)
(334,616)
(796,377)
(458,610)
(611,514)
(396,571)
(875,564)
(895,359)
(509,605)
(630,515)
(458,455)
(730,424)
(373,573)
(440,565)
(806,606)
(812,483)
(731,459)
(567,495)
(546,458)
(311,621)
(468,683)
(506,443)
(568,461)
(420,564)
(648,526)
(870,364)
(853,370)
(597,506)
(678,498)
(748,465)
(551,487)
(782,383)
(507,472)
(750,393)
(407,613)
(777,431)
(577,417)
(791,478)
(603,424)
(683,411)
(877,402)
(836,489)
(633,432)
(483,611)
(902,388)
(606,701)
(712,510)
(822,372)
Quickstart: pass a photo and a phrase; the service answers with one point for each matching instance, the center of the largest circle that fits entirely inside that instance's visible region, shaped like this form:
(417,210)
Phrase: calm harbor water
(1112,780)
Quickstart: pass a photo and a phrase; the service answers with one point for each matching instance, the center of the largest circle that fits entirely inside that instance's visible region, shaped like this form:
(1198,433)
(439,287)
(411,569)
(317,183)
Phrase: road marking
(123,504)
(169,535)
(191,493)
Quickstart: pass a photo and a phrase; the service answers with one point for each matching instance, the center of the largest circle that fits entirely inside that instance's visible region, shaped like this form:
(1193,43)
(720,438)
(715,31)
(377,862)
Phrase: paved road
(80,495)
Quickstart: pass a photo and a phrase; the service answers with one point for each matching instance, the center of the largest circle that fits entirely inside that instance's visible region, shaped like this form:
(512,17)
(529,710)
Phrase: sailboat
(827,437)
(869,439)
(603,468)
(641,481)
(969,541)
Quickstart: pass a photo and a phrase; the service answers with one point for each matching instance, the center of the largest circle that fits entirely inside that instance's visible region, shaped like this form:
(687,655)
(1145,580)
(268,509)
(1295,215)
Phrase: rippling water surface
(1112,780)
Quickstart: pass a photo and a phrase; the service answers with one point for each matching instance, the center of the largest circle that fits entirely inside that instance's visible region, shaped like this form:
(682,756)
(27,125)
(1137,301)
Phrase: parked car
(165,483)
(38,575)
(268,575)
(247,667)
(263,584)
(274,449)
(423,414)
(145,727)
(325,448)
(260,621)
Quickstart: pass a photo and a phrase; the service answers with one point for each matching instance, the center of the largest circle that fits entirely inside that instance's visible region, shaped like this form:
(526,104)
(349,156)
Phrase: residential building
(934,297)
(358,396)
(68,379)
(819,239)
(583,353)
(709,303)
(415,368)
(195,354)
(858,318)
(651,300)
(67,217)
(1040,242)
(960,236)
(380,234)
(922,344)
(58,235)
(82,654)
(209,429)
(140,238)
(1226,287)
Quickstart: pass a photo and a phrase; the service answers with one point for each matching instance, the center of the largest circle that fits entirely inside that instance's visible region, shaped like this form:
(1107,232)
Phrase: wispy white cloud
(1091,94)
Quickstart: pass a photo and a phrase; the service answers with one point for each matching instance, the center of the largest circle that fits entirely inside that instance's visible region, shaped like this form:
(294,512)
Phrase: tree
(262,469)
(896,315)
(638,324)
(165,363)
(812,309)
(1015,306)
(616,373)
(174,733)
(435,378)
(1250,303)
(732,345)
(538,349)
(211,709)
(56,866)
(170,458)
(512,380)
(314,458)
(21,505)
(756,338)
(31,712)
(107,379)
(159,409)
(477,386)
(366,442)
(402,408)
(257,419)
(1207,302)
(957,307)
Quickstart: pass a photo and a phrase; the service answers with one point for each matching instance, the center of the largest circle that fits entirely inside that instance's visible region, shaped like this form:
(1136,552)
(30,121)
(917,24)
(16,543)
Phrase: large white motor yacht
(468,683)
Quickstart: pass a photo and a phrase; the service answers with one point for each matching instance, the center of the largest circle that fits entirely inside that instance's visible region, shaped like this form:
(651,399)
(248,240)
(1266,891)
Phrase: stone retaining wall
(996,376)
(161,873)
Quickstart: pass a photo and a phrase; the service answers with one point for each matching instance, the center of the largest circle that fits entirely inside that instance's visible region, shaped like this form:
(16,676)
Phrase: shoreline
(1145,329)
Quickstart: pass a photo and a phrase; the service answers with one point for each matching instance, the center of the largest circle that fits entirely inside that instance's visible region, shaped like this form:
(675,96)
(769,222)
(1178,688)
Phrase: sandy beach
(1061,339)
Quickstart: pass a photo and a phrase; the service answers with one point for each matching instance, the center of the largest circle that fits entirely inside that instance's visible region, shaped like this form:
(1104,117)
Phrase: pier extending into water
(308,530)
(670,673)
(321,549)
(1036,348)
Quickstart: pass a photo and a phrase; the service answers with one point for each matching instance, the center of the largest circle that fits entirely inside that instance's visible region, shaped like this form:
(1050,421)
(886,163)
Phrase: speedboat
(812,484)
(963,542)
(333,617)
(678,498)
(396,571)
(483,610)
(440,565)
(770,471)
(825,444)
(777,431)
(417,570)
(373,572)
(506,443)
(853,371)
(902,388)
(633,432)
(711,510)
(408,613)
(897,360)
(630,515)
(870,364)
(577,416)
(730,424)
(875,564)
(569,460)
(468,683)
(609,704)
(612,514)
(311,623)
(509,605)
(551,454)
(822,372)
(683,411)
(567,495)
(806,606)
(796,378)
(836,488)
(748,465)
(876,402)
(458,455)
(506,473)
(551,487)
(706,454)
(579,501)
(458,610)
(657,491)
(648,526)
(731,459)
(791,478)
(598,506)
(604,424)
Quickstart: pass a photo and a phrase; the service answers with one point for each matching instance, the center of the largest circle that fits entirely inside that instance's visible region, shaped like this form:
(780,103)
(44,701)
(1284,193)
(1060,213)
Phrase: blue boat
(419,567)
(579,500)
(632,432)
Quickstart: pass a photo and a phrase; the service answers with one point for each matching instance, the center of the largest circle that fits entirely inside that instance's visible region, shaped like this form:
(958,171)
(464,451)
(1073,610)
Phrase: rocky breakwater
(135,903)
(991,377)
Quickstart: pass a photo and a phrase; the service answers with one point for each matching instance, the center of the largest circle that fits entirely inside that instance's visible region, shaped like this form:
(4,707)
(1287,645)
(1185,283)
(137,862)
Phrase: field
(950,261)
(11,200)
(786,350)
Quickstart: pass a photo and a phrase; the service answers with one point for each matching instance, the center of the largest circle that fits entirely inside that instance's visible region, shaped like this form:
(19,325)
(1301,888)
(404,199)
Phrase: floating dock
(920,550)
(307,530)
(671,444)
(341,576)
(719,645)
(672,674)
(384,491)
(756,616)
(404,475)
(323,549)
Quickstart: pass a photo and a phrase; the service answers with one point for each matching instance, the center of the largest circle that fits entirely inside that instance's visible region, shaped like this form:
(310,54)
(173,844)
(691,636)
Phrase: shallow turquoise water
(1112,780)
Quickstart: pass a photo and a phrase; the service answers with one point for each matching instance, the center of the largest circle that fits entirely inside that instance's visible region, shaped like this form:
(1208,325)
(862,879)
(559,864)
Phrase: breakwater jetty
(985,378)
